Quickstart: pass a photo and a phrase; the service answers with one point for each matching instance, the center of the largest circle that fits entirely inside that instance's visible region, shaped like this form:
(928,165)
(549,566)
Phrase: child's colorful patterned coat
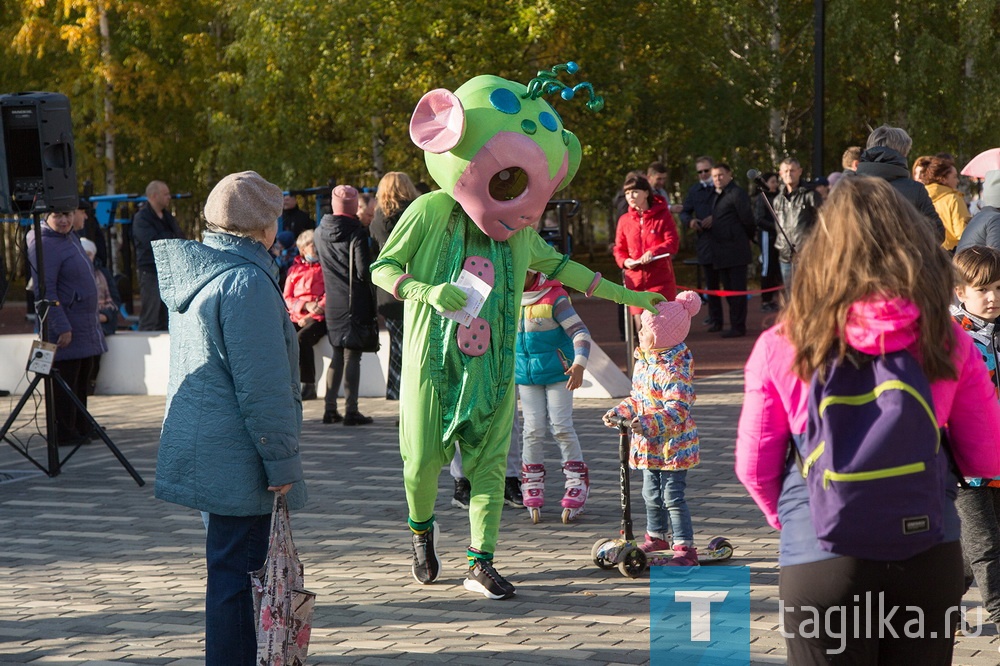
(662,396)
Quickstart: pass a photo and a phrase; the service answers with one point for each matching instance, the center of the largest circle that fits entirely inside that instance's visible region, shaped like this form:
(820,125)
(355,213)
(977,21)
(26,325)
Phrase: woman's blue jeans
(663,491)
(235,546)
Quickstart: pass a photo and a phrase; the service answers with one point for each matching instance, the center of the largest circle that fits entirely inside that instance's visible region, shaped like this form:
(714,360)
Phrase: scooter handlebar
(620,422)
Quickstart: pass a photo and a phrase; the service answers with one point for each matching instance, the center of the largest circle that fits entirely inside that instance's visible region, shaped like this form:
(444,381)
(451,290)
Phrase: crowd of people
(873,261)
(863,258)
(725,222)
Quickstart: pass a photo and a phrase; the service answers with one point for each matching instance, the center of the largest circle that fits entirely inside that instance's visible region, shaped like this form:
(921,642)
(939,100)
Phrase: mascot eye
(508,184)
(548,121)
(505,101)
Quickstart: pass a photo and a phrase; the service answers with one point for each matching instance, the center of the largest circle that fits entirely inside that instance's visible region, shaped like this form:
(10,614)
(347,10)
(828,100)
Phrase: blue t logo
(700,615)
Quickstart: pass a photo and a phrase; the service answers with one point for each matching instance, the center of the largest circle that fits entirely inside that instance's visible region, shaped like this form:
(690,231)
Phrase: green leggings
(485,463)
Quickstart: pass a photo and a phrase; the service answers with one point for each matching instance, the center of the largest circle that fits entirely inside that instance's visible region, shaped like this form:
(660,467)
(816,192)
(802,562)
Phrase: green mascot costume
(499,151)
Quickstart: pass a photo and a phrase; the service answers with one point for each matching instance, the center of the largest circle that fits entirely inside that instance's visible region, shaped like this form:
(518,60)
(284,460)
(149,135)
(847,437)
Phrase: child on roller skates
(664,437)
(552,343)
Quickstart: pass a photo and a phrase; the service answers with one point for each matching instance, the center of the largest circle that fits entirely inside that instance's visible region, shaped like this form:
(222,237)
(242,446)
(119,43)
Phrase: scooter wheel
(719,549)
(599,559)
(632,562)
(536,515)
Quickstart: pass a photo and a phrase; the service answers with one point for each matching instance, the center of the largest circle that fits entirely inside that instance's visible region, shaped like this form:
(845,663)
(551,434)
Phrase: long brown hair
(395,191)
(869,242)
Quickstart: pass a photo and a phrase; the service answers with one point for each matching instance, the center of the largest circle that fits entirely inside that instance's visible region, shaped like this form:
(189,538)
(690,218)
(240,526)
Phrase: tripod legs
(54,463)
(51,447)
(99,430)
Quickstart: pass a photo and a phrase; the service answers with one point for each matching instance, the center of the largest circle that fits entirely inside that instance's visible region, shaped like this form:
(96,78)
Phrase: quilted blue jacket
(234,412)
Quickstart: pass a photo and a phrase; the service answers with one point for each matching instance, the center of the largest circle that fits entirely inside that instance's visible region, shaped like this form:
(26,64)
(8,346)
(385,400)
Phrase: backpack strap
(952,465)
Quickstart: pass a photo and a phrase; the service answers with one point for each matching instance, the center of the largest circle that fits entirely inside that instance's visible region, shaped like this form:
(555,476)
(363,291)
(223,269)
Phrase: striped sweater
(662,396)
(551,337)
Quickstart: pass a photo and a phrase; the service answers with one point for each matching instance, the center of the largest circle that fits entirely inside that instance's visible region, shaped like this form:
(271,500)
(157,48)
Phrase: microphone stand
(774,216)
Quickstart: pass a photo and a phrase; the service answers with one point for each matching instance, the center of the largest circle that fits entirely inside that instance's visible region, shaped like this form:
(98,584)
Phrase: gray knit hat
(244,203)
(991,189)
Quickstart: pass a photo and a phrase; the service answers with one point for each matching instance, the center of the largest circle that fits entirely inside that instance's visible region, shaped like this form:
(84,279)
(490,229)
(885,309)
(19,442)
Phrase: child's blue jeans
(663,491)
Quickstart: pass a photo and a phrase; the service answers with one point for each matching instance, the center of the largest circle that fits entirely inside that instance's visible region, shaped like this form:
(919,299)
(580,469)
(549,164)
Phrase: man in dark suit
(729,230)
(697,207)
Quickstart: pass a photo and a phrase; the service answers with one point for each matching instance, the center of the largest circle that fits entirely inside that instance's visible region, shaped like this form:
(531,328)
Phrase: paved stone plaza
(94,570)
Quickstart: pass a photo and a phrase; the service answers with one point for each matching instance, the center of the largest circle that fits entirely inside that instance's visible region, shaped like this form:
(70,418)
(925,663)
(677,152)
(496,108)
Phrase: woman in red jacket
(305,299)
(645,242)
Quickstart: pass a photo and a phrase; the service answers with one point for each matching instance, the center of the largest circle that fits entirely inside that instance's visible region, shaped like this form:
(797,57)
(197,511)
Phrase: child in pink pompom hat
(664,437)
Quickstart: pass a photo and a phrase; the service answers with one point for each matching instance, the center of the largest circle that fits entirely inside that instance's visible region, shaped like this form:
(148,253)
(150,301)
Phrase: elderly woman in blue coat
(230,436)
(72,322)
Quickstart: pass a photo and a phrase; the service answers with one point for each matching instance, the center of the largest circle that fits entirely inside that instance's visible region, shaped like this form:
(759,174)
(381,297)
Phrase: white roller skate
(577,489)
(533,490)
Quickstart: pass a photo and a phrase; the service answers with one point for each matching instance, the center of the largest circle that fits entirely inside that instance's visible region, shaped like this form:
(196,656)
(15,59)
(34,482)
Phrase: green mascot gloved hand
(619,294)
(444,297)
(643,299)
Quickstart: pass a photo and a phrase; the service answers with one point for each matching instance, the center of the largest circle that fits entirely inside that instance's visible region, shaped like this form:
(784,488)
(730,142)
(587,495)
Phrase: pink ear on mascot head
(438,122)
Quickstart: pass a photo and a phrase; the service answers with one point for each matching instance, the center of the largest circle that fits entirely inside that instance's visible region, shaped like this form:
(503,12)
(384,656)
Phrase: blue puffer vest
(544,351)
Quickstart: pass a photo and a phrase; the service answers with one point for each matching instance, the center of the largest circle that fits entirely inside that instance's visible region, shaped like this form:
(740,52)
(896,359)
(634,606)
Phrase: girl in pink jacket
(870,277)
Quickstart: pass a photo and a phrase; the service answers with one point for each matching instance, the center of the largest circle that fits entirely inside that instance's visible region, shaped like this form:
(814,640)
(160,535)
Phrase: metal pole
(818,89)
(40,298)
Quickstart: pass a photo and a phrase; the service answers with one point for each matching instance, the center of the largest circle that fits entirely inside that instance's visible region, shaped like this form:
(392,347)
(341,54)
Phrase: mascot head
(498,148)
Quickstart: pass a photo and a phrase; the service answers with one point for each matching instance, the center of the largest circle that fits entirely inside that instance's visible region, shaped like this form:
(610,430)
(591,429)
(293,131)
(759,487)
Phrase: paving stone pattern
(94,570)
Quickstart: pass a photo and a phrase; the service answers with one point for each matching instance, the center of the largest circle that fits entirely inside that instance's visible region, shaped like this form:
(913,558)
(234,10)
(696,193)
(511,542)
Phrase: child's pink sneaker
(684,556)
(653,544)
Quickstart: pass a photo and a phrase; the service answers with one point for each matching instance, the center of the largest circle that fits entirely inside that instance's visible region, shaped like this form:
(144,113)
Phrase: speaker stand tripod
(49,381)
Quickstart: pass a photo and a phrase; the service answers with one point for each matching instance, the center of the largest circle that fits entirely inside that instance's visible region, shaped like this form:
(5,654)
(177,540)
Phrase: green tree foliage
(158,61)
(303,91)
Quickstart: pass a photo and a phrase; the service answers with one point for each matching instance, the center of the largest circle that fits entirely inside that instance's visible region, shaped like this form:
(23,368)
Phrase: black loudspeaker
(37,160)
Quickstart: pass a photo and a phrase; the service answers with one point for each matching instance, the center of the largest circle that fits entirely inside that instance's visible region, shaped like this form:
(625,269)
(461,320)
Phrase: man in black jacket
(885,157)
(293,218)
(697,207)
(729,230)
(153,222)
(795,208)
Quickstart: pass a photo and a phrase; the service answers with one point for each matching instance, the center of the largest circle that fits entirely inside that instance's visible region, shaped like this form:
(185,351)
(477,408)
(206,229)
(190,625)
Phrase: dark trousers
(70,422)
(95,369)
(770,275)
(395,329)
(834,591)
(979,509)
(312,331)
(733,278)
(153,315)
(235,546)
(344,366)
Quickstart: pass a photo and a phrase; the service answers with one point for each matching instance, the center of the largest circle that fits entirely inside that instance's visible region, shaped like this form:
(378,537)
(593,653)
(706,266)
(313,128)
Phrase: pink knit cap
(673,321)
(344,200)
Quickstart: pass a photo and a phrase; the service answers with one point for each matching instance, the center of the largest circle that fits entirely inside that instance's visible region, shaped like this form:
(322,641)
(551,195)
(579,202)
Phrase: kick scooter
(624,552)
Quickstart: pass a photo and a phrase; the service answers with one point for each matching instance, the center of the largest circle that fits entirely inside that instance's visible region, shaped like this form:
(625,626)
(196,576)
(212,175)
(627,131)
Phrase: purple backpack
(872,458)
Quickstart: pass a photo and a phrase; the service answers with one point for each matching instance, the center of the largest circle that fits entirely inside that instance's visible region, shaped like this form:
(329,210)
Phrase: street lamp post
(818,88)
